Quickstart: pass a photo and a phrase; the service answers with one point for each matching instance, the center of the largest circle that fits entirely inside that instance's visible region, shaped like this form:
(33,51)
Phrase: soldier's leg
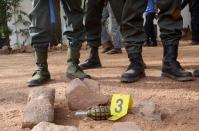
(44,20)
(146,29)
(195,25)
(117,8)
(129,14)
(170,22)
(195,32)
(115,33)
(153,32)
(149,29)
(93,30)
(105,36)
(74,10)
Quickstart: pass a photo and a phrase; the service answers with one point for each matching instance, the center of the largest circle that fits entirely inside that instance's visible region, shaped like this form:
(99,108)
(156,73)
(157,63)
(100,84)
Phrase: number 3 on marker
(120,104)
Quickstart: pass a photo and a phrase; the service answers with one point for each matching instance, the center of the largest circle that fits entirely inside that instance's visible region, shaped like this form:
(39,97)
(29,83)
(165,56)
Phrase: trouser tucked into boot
(135,70)
(41,74)
(93,61)
(171,67)
(93,31)
(73,69)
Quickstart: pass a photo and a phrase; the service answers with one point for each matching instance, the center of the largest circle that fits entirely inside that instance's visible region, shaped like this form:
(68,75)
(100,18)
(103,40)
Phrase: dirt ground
(177,100)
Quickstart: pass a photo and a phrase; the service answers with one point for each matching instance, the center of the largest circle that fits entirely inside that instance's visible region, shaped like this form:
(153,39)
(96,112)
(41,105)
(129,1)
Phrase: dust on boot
(73,69)
(171,67)
(41,75)
(93,61)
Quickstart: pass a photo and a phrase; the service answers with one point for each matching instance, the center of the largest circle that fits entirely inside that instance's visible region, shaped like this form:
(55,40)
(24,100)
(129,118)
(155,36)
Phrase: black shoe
(93,61)
(195,43)
(135,70)
(176,72)
(107,47)
(154,45)
(147,44)
(196,73)
(115,51)
(171,67)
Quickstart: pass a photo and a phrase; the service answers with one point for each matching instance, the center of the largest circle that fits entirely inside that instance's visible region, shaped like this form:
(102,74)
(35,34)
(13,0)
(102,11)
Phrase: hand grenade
(96,113)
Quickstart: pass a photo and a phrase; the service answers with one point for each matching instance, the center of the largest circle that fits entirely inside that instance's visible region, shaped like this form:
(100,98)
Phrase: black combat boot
(93,61)
(171,67)
(135,70)
(196,73)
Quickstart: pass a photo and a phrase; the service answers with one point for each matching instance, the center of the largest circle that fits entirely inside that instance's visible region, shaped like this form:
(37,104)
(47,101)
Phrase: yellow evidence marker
(120,105)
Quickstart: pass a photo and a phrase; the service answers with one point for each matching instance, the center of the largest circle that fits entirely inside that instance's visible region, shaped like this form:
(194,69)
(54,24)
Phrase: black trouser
(129,15)
(195,25)
(149,28)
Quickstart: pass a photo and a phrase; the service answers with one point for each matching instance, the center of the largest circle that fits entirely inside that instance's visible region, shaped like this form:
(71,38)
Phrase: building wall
(186,17)
(17,39)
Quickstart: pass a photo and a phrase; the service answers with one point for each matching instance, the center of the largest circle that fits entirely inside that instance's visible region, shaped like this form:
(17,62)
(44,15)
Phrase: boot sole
(177,78)
(72,77)
(93,67)
(131,80)
(195,75)
(37,83)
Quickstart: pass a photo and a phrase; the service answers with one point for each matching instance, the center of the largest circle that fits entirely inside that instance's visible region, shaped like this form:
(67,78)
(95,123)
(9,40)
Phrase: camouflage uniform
(129,14)
(46,28)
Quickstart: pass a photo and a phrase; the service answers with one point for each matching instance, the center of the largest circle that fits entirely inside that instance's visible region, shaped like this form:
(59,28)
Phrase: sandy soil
(177,100)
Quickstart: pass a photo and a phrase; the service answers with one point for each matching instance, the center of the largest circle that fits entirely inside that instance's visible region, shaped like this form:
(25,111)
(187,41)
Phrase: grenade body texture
(99,112)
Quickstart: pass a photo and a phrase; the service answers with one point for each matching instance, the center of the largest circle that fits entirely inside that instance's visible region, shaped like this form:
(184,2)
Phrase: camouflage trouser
(129,14)
(46,23)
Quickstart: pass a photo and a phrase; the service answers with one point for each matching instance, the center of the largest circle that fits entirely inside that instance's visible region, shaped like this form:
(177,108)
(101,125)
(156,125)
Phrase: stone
(80,97)
(40,107)
(36,111)
(42,93)
(46,126)
(126,126)
(93,85)
(149,110)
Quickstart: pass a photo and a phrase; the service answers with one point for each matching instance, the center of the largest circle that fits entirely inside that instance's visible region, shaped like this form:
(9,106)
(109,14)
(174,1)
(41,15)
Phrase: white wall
(186,17)
(25,6)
